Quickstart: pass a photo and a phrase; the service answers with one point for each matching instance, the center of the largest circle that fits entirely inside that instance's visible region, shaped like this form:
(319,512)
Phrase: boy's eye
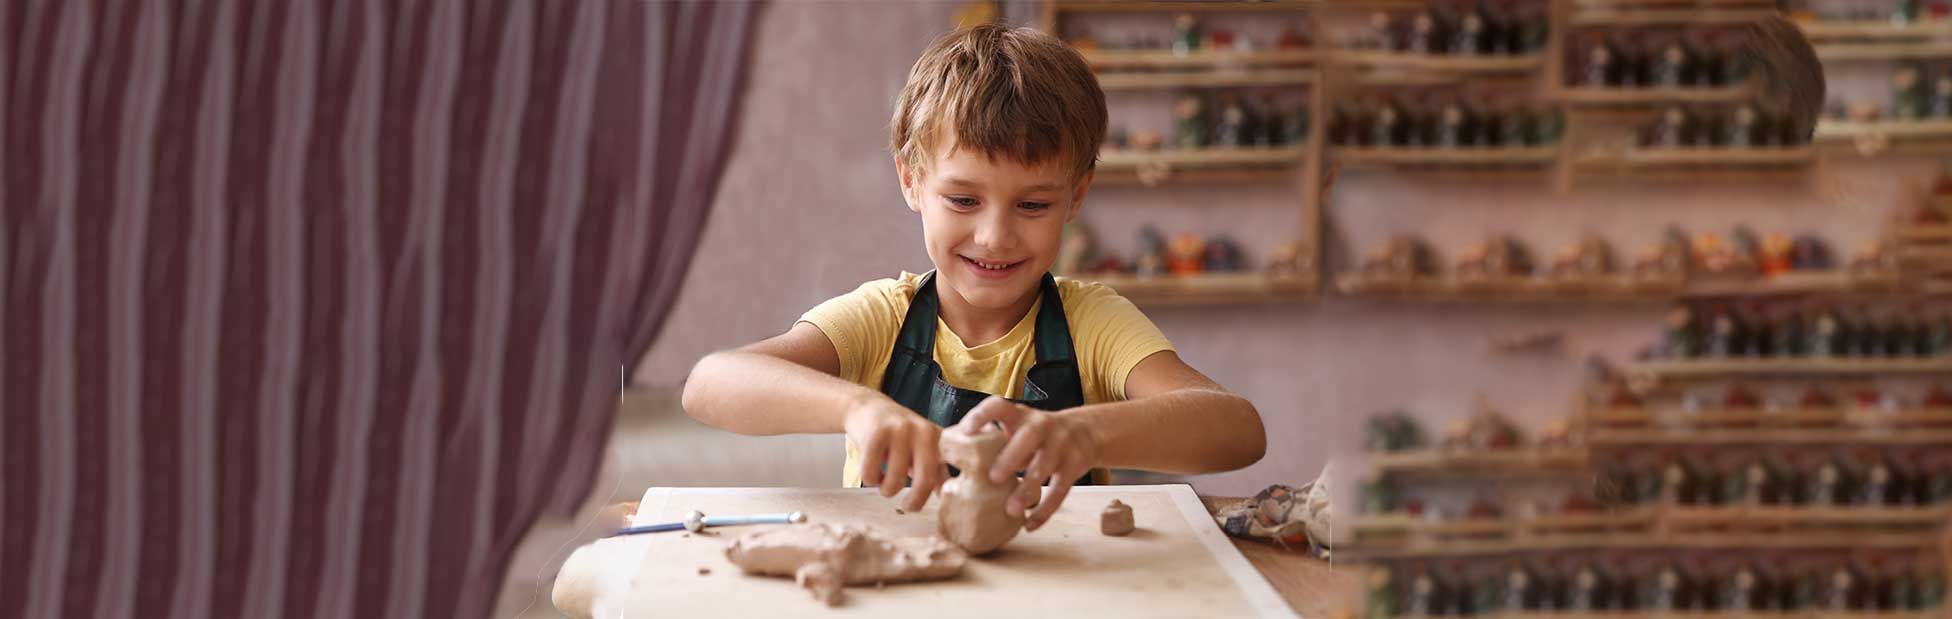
(962,201)
(1033,206)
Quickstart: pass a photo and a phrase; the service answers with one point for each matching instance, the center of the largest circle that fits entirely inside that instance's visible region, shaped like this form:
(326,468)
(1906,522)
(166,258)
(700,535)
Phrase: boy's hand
(908,444)
(1047,447)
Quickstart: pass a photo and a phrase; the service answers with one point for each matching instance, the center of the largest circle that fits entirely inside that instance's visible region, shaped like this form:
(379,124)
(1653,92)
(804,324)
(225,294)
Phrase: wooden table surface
(1314,588)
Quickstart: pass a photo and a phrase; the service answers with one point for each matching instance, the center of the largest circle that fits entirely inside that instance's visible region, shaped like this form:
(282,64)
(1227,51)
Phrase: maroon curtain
(312,306)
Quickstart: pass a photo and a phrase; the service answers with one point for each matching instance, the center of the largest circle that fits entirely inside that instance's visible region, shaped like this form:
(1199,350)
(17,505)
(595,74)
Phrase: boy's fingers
(1016,455)
(1060,486)
(898,460)
(928,469)
(1030,491)
(872,457)
(993,408)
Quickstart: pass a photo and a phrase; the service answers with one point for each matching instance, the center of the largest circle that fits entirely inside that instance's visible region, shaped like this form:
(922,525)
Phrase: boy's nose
(997,231)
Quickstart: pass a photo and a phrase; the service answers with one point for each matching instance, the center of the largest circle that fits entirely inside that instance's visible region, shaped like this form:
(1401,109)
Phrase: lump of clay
(972,514)
(1117,519)
(824,557)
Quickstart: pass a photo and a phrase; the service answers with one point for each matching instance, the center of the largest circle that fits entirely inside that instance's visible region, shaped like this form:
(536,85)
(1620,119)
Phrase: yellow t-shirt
(1109,335)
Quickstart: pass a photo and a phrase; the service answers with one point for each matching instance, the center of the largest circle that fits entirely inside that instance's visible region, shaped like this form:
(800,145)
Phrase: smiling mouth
(989,265)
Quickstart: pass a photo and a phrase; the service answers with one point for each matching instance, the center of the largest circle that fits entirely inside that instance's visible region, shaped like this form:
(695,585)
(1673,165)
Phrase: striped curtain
(311,307)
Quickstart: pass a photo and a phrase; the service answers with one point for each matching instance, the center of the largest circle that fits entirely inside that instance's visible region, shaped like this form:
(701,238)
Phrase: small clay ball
(1116,520)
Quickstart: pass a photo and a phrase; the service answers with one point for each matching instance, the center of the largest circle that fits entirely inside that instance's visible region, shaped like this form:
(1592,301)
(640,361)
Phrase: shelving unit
(1442,63)
(1300,164)
(1210,289)
(1528,156)
(1795,367)
(1631,97)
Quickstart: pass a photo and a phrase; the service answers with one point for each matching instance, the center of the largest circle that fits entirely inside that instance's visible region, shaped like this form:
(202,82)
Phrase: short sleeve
(1111,336)
(861,323)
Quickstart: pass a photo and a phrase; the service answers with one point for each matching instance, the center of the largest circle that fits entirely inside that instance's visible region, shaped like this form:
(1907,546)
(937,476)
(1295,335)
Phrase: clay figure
(1116,521)
(972,514)
(824,557)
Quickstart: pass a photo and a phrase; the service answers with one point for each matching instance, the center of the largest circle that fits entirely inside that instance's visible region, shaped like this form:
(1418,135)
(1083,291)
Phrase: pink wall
(809,209)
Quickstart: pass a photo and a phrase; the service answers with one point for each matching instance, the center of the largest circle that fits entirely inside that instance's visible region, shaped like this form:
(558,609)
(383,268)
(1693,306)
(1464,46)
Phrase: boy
(994,138)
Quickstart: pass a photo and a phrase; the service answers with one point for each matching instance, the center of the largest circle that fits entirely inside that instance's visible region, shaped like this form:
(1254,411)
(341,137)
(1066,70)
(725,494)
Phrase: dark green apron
(915,380)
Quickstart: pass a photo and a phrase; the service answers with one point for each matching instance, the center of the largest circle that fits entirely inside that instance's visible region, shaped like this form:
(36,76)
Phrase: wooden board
(1178,564)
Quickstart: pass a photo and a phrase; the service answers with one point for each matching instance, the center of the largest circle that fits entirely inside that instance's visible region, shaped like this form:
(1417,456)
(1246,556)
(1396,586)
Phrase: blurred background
(1542,285)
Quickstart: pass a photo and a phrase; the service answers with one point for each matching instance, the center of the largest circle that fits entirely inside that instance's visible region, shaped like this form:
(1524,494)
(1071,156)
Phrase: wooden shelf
(1204,157)
(1925,233)
(1182,6)
(1768,436)
(1447,63)
(1209,289)
(1857,52)
(1795,283)
(1616,289)
(1704,157)
(1715,368)
(1918,130)
(1715,417)
(1451,463)
(1874,30)
(1608,96)
(1666,17)
(1453,157)
(1719,540)
(1651,519)
(1217,78)
(1103,59)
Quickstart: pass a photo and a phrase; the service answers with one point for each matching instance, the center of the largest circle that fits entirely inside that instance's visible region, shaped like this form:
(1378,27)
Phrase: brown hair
(1790,73)
(1016,93)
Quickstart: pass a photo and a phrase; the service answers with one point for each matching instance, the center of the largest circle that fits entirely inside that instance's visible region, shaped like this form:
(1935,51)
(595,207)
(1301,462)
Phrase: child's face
(992,227)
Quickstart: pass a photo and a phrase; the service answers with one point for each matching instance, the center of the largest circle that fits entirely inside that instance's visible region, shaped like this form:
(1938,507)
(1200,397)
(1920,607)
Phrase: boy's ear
(908,191)
(1077,197)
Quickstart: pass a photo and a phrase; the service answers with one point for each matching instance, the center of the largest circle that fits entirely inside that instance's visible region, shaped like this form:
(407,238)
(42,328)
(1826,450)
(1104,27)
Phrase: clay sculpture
(1116,521)
(972,514)
(825,557)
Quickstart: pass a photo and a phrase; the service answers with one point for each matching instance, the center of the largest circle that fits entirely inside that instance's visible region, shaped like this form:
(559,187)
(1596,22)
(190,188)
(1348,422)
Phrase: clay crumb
(899,511)
(704,571)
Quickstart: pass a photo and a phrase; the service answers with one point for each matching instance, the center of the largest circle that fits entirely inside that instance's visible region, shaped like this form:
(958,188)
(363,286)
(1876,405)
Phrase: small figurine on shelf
(1741,130)
(1222,256)
(1483,509)
(1842,592)
(1394,431)
(1743,591)
(1533,34)
(1471,38)
(1075,249)
(1146,140)
(1381,598)
(1285,259)
(1826,336)
(1234,128)
(1185,255)
(1667,592)
(1725,336)
(1186,34)
(1678,340)
(1423,599)
(1739,396)
(1271,126)
(1379,496)
(1877,489)
(1496,259)
(1423,34)
(1555,434)
(1291,38)
(1190,127)
(1346,126)
(1941,101)
(1674,130)
(1551,124)
(1401,257)
(1757,483)
(1382,32)
(1789,336)
(1872,259)
(1588,592)
(1825,485)
(1678,482)
(1152,252)
(1454,126)
(1294,130)
(1775,255)
(1809,253)
(1600,70)
(1219,39)
(1908,100)
(1675,66)
(1385,129)
(1590,257)
(1518,591)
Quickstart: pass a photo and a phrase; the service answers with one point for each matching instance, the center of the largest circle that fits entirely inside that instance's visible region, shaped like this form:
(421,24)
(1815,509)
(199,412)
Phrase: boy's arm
(1175,420)
(788,384)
